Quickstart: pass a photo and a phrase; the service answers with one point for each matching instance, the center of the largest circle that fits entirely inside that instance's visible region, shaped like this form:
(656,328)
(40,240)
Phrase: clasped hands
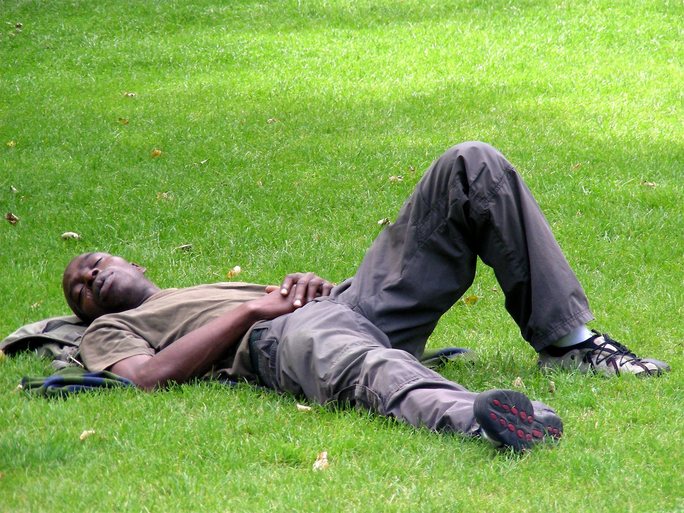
(296,290)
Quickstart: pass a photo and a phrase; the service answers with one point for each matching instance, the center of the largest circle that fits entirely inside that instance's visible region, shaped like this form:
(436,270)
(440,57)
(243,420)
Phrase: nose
(90,275)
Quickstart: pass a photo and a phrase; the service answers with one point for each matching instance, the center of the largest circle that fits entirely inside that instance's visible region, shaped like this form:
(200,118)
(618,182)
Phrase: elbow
(146,382)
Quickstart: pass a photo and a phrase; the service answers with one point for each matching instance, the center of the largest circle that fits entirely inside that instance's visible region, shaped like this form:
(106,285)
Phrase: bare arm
(193,354)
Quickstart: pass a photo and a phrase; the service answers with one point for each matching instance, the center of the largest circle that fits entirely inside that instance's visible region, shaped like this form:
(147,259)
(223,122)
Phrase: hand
(272,305)
(303,287)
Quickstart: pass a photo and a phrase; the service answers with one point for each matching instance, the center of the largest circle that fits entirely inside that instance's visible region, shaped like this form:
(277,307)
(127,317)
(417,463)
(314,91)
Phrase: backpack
(56,338)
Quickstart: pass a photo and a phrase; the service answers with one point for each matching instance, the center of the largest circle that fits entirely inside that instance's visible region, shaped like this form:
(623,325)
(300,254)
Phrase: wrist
(252,312)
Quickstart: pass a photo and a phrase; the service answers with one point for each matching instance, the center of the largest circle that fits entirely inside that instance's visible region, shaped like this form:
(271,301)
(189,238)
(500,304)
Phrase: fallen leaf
(18,388)
(184,247)
(234,272)
(156,153)
(396,179)
(123,121)
(164,196)
(18,25)
(202,162)
(302,407)
(411,169)
(575,167)
(13,189)
(270,121)
(384,221)
(71,235)
(321,462)
(649,184)
(11,144)
(11,218)
(552,387)
(471,300)
(518,383)
(130,94)
(36,305)
(87,433)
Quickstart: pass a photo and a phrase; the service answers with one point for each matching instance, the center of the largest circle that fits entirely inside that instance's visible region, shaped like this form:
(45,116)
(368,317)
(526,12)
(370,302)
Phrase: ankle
(578,335)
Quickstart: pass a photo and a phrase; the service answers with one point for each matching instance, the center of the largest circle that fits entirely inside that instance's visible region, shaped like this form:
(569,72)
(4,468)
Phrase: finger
(326,288)
(289,280)
(301,292)
(271,288)
(313,288)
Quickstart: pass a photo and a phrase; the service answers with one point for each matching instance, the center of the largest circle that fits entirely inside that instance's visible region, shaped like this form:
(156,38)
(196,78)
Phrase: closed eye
(79,299)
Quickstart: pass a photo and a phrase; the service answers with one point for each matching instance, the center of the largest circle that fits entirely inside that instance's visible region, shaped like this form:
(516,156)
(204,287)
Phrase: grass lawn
(264,135)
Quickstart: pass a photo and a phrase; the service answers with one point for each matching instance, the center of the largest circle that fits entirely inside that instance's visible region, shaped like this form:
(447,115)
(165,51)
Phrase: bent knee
(475,152)
(473,164)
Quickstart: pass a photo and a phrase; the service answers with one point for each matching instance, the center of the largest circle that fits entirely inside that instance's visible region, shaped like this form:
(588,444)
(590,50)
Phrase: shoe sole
(507,417)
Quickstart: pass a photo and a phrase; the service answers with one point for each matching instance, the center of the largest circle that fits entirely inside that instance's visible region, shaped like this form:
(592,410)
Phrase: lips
(102,285)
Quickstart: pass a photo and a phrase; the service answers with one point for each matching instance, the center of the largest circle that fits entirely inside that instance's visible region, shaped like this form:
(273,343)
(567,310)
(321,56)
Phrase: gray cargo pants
(360,345)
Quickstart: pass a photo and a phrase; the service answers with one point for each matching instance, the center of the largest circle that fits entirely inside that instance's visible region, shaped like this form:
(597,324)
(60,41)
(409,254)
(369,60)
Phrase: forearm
(193,354)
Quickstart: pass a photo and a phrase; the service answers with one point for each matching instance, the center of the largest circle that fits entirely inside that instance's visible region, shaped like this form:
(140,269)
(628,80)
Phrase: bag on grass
(56,338)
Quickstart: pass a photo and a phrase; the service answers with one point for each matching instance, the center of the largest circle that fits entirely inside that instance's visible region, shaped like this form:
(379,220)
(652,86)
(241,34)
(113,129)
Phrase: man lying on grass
(357,343)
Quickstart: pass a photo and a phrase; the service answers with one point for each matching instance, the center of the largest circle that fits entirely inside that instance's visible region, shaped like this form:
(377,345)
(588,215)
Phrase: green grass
(279,124)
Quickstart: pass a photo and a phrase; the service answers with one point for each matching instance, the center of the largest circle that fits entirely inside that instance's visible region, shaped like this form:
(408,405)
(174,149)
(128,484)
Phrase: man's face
(98,283)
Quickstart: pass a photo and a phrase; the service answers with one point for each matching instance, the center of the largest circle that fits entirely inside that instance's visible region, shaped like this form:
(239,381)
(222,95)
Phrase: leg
(331,354)
(470,203)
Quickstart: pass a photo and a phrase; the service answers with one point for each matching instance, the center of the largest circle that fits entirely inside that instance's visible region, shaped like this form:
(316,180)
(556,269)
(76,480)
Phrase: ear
(139,267)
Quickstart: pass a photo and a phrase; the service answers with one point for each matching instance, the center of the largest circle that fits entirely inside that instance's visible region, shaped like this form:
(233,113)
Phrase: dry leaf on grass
(87,433)
(471,300)
(11,218)
(123,121)
(302,407)
(13,189)
(71,235)
(396,179)
(184,247)
(234,272)
(518,383)
(321,462)
(649,184)
(270,121)
(11,144)
(384,221)
(155,153)
(130,94)
(552,387)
